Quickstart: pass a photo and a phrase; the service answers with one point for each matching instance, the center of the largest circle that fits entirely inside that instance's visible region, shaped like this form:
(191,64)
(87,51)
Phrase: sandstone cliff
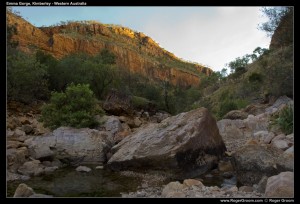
(134,51)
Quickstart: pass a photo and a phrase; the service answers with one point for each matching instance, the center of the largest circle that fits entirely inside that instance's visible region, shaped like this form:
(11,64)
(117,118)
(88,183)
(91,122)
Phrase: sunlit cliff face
(134,51)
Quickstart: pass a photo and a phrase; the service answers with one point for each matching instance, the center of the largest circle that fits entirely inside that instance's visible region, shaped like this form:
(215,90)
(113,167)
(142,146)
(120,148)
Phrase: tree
(238,63)
(27,79)
(224,72)
(99,71)
(275,15)
(75,108)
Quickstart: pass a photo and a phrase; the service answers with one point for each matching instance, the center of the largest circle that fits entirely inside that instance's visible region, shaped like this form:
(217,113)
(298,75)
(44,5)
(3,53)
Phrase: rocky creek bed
(238,156)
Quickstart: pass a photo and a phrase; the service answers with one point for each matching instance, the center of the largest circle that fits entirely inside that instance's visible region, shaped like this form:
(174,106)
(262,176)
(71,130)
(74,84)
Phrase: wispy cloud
(213,38)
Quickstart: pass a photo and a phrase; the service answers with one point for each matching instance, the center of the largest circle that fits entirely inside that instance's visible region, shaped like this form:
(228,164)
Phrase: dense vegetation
(284,120)
(252,78)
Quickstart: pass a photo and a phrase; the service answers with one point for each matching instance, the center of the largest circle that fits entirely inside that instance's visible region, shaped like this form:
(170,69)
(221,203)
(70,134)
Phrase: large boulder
(189,142)
(71,145)
(281,185)
(252,162)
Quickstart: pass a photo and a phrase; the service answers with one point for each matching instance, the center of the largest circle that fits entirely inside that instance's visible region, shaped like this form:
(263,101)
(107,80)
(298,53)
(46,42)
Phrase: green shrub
(139,102)
(255,77)
(27,79)
(241,103)
(285,120)
(226,106)
(75,108)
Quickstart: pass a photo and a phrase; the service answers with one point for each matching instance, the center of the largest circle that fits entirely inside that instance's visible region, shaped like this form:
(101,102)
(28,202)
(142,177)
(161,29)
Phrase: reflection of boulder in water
(67,182)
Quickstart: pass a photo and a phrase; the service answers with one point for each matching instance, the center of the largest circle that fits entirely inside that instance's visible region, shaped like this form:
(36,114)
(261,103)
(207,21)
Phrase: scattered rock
(269,138)
(31,168)
(264,136)
(280,144)
(27,129)
(236,133)
(120,136)
(83,169)
(175,194)
(13,144)
(235,114)
(19,133)
(13,177)
(171,188)
(279,137)
(50,169)
(41,153)
(23,191)
(246,188)
(255,109)
(113,125)
(99,167)
(281,185)
(192,182)
(137,122)
(290,150)
(281,102)
(225,166)
(159,116)
(261,186)
(16,158)
(24,120)
(290,137)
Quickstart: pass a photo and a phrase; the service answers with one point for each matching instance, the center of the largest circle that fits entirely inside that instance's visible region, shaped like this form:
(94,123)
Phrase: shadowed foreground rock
(281,185)
(252,162)
(186,144)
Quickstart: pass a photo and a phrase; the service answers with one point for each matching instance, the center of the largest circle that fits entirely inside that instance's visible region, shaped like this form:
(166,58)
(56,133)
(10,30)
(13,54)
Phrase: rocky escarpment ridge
(134,51)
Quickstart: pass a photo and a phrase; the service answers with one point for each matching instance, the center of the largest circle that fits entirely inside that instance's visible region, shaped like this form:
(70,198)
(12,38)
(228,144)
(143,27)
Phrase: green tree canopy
(76,107)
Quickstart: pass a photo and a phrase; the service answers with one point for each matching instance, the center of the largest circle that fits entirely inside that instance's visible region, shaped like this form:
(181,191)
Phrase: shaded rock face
(283,34)
(118,103)
(281,185)
(71,145)
(252,162)
(188,143)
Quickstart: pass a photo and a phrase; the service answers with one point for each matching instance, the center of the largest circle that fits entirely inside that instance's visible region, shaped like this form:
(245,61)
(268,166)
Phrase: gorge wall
(134,51)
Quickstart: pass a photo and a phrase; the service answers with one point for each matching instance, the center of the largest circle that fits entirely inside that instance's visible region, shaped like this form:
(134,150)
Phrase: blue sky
(211,36)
